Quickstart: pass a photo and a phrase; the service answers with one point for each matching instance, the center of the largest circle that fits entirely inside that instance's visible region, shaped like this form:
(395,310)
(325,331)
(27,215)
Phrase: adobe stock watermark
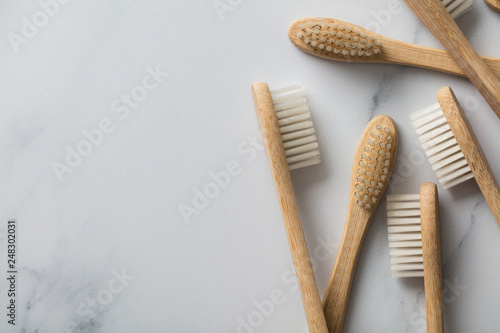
(30,27)
(225,6)
(264,309)
(122,108)
(220,179)
(383,17)
(472,103)
(103,298)
(451,291)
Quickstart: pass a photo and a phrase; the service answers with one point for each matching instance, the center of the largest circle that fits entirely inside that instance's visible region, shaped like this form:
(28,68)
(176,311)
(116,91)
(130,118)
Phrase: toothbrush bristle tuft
(374,166)
(326,36)
(440,146)
(405,237)
(457,7)
(296,127)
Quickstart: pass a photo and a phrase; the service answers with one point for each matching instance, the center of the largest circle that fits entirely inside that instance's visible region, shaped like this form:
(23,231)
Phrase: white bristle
(457,7)
(403,228)
(402,205)
(403,220)
(440,146)
(402,212)
(296,127)
(406,253)
(402,274)
(287,138)
(293,127)
(302,141)
(403,197)
(299,118)
(302,149)
(405,237)
(407,259)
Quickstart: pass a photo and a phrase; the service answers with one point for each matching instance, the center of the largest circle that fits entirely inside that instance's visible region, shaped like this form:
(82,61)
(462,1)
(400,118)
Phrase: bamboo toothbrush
(452,148)
(290,143)
(373,163)
(415,246)
(433,14)
(494,4)
(341,41)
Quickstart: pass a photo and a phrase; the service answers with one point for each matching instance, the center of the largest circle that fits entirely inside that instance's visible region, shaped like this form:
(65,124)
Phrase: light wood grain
(494,4)
(471,149)
(275,151)
(435,17)
(391,51)
(357,222)
(431,249)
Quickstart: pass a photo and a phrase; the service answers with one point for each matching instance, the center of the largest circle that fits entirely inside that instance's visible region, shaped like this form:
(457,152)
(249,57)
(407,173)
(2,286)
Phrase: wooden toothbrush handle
(434,15)
(493,64)
(275,151)
(339,286)
(431,249)
(494,4)
(470,147)
(401,53)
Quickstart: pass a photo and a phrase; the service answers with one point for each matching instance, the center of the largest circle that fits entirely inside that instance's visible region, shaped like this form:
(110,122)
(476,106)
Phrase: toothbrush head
(453,149)
(291,112)
(414,232)
(405,237)
(374,161)
(441,146)
(334,39)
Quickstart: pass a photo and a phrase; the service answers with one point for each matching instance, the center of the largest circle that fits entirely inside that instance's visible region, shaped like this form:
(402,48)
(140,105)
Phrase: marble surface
(113,234)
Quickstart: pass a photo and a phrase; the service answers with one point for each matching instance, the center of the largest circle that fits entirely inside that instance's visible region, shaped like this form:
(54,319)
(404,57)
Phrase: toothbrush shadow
(464,190)
(304,182)
(468,22)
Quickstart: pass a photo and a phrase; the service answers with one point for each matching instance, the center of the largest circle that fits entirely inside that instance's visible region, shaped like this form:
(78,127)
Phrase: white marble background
(104,247)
